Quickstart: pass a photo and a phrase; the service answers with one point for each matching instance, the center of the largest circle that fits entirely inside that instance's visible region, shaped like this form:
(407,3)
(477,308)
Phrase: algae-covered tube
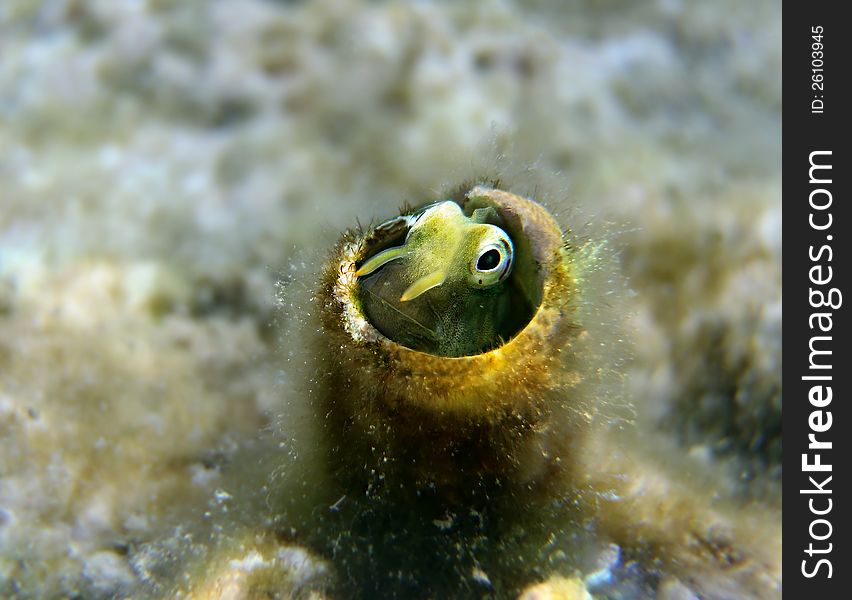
(458,376)
(447,336)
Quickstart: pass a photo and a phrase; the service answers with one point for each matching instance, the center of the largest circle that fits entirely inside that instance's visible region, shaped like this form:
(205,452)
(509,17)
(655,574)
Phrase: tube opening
(453,278)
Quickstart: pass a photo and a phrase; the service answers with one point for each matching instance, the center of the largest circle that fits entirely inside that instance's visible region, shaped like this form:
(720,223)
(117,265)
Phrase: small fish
(445,289)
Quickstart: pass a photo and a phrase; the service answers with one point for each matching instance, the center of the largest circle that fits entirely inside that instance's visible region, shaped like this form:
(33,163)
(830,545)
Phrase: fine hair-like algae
(479,475)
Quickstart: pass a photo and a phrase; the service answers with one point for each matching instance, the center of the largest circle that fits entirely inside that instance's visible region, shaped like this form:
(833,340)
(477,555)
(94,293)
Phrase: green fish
(446,289)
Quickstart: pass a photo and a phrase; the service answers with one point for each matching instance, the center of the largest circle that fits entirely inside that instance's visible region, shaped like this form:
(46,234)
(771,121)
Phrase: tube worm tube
(498,418)
(455,423)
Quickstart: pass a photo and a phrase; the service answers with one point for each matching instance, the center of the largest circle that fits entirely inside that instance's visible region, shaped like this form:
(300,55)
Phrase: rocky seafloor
(169,170)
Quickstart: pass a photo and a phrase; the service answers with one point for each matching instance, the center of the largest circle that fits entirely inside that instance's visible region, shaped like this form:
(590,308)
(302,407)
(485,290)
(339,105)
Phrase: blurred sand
(163,164)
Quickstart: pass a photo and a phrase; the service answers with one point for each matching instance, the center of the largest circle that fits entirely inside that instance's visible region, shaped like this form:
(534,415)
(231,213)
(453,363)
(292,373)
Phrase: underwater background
(172,173)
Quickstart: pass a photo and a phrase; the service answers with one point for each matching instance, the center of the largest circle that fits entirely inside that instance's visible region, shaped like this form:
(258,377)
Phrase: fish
(445,289)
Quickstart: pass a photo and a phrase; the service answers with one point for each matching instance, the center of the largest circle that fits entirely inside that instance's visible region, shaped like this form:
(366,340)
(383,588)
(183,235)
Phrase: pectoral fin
(422,285)
(380,260)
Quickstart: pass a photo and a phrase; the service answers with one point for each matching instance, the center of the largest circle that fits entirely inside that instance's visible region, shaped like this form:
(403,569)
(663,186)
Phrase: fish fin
(423,284)
(380,260)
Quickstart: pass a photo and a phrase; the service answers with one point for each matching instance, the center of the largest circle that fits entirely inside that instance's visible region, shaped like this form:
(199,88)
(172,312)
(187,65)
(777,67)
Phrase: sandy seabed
(168,168)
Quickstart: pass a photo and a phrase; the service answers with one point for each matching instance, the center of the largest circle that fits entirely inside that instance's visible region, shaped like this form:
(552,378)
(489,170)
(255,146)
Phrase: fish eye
(489,260)
(493,262)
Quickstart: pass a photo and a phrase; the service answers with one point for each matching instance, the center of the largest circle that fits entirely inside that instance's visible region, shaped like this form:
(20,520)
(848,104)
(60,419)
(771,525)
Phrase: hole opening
(452,319)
